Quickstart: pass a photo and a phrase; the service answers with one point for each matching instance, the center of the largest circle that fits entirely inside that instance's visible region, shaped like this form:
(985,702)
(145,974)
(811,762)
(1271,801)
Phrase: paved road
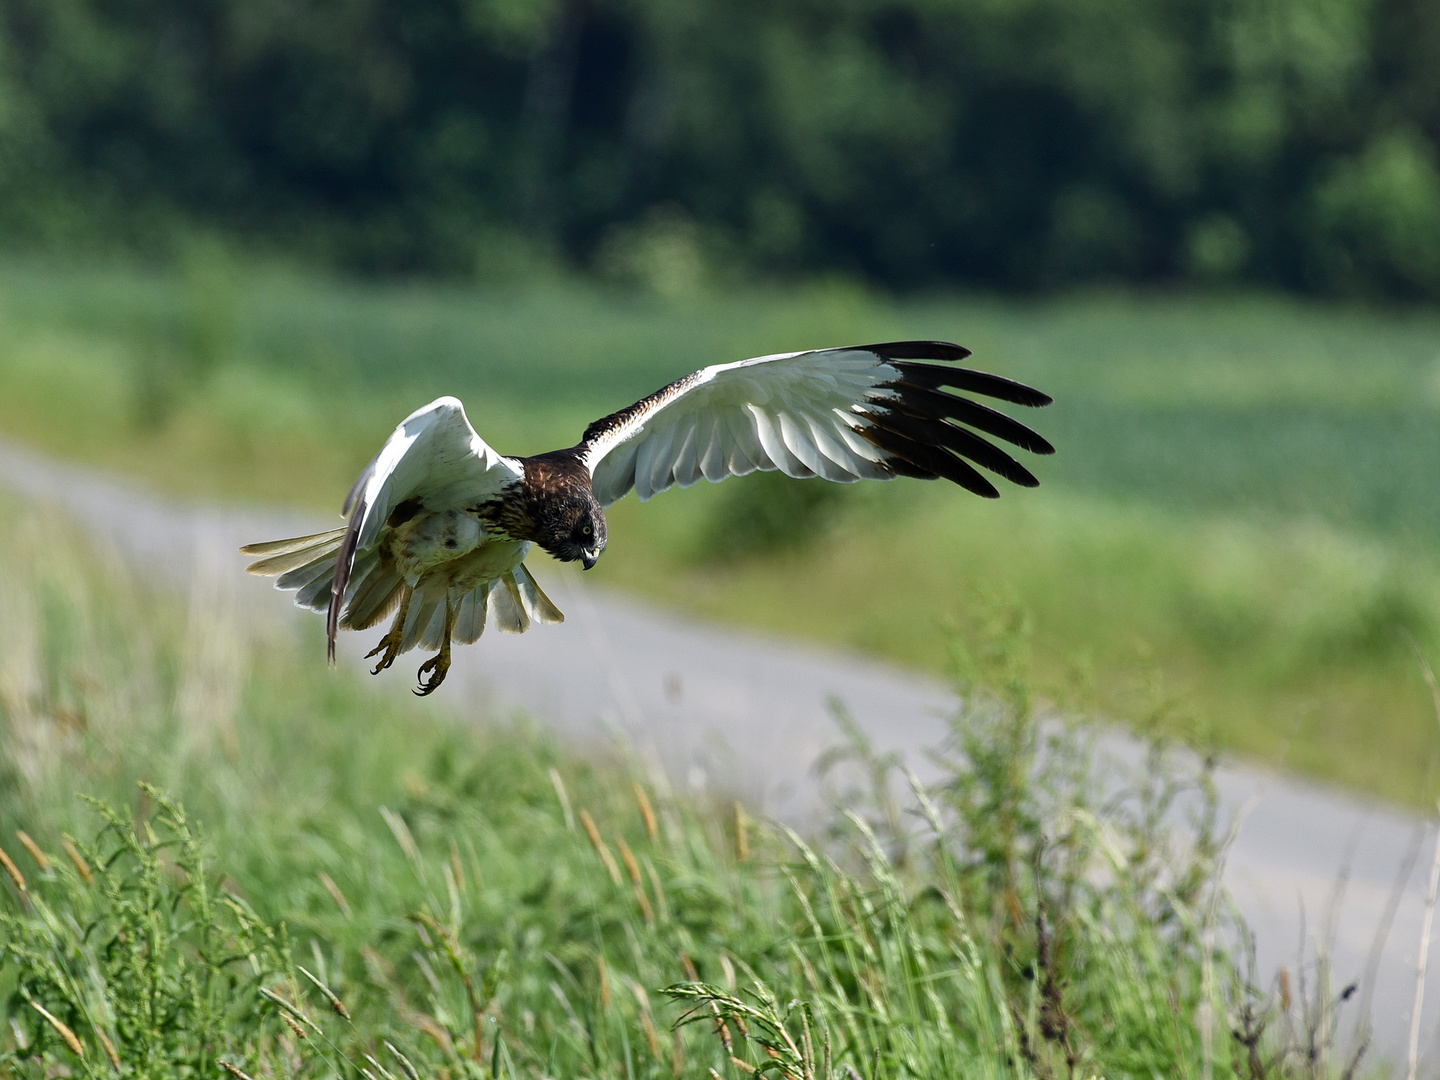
(749,714)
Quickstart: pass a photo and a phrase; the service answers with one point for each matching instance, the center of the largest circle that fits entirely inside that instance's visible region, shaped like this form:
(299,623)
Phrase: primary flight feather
(439,524)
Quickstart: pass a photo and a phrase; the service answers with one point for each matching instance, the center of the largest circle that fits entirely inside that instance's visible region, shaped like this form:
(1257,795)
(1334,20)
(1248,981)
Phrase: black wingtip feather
(938,405)
(977,382)
(918,350)
(929,431)
(929,461)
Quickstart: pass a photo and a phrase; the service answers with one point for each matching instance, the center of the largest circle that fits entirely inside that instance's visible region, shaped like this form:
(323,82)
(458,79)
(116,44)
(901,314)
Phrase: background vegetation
(354,889)
(238,240)
(1012,145)
(1235,543)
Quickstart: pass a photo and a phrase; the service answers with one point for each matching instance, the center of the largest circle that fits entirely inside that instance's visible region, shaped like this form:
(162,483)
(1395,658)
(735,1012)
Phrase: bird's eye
(586,530)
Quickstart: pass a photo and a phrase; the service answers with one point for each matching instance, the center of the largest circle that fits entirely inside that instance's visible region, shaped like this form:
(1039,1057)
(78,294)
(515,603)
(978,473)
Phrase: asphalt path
(1313,870)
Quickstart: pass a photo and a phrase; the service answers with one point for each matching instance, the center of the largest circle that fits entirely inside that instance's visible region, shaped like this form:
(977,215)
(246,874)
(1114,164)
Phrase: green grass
(486,906)
(1236,540)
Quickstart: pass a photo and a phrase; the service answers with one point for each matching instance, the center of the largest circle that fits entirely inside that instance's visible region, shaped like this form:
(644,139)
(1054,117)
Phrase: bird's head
(562,514)
(577,534)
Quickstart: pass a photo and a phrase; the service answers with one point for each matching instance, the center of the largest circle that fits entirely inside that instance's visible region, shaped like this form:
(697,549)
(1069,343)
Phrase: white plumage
(805,414)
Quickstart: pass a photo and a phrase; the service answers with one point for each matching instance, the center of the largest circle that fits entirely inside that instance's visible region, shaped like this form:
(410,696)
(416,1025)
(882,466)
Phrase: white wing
(434,457)
(864,412)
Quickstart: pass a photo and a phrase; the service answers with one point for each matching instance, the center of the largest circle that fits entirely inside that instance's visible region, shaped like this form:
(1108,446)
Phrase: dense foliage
(1019,144)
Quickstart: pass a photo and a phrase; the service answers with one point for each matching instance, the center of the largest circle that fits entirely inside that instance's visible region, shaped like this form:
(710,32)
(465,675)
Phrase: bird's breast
(432,539)
(452,548)
(487,562)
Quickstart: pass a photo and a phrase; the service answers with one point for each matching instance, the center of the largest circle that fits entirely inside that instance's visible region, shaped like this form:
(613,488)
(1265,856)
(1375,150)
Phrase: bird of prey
(440,524)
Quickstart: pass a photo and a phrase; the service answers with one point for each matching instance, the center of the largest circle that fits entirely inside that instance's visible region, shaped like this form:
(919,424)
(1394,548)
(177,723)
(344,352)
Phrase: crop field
(1237,542)
(282,871)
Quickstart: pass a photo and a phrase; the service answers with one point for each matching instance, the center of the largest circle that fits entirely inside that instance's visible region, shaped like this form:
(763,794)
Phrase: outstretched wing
(866,412)
(433,461)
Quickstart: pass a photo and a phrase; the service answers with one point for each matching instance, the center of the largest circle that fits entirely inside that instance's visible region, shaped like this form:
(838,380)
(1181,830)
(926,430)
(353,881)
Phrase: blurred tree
(1007,143)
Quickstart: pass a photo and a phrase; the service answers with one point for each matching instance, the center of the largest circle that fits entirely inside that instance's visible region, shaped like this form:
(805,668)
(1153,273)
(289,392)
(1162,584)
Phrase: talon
(390,646)
(391,642)
(438,665)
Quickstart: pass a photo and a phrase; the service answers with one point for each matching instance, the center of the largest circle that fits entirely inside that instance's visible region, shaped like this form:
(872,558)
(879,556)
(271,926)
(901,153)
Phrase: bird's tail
(531,597)
(280,556)
(510,603)
(307,564)
(303,563)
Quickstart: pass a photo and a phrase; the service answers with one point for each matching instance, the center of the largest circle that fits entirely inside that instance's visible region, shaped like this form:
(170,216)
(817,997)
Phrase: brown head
(564,516)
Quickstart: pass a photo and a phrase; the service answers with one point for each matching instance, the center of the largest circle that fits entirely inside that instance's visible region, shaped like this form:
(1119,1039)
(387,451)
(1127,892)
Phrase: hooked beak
(589,557)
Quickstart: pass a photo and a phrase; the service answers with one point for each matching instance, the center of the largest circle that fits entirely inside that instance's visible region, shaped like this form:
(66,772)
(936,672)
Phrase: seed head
(109,1047)
(330,995)
(15,875)
(33,848)
(81,866)
(593,831)
(60,1026)
(335,893)
(647,812)
(410,1070)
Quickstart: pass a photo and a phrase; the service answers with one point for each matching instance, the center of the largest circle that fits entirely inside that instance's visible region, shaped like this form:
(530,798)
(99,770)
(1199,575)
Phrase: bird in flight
(440,524)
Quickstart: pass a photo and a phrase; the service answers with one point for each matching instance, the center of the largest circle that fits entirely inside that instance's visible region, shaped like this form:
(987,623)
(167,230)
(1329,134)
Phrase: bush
(133,953)
(1013,916)
(1377,219)
(769,513)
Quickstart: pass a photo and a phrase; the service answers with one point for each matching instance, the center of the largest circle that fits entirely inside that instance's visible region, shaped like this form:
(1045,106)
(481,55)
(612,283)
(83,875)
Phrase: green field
(1237,540)
(483,905)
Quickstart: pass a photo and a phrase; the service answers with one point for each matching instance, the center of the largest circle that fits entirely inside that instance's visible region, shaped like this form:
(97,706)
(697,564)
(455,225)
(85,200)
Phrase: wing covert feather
(865,412)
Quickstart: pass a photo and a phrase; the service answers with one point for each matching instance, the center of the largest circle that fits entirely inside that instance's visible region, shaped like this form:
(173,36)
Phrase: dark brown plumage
(560,508)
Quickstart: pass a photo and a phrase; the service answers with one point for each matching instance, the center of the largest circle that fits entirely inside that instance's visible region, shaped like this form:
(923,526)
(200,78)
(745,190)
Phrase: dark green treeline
(1002,143)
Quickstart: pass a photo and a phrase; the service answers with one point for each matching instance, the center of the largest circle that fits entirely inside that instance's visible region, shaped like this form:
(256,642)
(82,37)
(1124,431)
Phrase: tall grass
(315,881)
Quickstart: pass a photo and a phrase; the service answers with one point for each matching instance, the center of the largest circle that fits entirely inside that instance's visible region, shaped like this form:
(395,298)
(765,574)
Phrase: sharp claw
(387,646)
(437,670)
(391,642)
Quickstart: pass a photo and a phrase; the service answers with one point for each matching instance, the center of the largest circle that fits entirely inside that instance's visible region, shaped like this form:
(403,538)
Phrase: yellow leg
(439,664)
(390,643)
